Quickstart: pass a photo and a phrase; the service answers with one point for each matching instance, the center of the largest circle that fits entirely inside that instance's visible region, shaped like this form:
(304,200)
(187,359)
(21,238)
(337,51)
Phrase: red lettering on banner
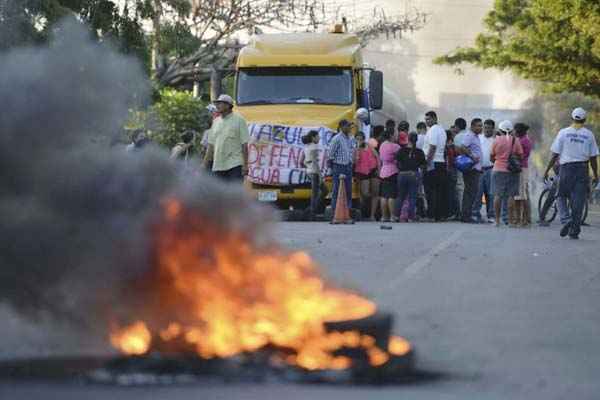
(265,176)
(285,153)
(274,149)
(252,150)
(261,154)
(274,177)
(295,157)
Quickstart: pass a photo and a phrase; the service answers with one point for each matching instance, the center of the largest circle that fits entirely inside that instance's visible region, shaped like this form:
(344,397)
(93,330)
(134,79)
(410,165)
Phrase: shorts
(389,187)
(523,193)
(505,184)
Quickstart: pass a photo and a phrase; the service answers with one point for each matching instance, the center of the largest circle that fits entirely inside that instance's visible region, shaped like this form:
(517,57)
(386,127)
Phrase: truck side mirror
(376,90)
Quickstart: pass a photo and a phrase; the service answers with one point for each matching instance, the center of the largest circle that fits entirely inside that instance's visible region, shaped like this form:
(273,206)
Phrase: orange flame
(230,296)
(134,339)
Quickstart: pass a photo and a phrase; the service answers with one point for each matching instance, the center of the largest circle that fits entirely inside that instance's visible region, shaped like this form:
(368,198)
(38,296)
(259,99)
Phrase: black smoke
(74,212)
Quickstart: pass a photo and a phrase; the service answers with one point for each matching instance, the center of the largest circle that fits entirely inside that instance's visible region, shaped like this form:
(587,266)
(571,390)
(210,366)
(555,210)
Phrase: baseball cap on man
(224,99)
(506,126)
(578,114)
(362,114)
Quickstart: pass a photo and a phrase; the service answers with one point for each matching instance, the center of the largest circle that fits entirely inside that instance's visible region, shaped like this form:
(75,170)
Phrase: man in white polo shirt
(436,178)
(575,148)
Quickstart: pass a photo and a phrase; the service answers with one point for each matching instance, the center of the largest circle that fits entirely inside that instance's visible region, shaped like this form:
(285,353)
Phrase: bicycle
(547,206)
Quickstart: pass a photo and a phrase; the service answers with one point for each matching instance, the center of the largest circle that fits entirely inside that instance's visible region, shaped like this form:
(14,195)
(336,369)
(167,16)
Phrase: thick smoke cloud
(74,212)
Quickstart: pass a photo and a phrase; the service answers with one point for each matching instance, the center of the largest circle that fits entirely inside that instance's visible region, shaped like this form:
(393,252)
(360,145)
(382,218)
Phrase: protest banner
(275,153)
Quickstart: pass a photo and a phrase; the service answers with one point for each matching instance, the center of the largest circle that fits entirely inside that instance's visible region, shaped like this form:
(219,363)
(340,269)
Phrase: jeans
(436,191)
(315,185)
(574,184)
(471,188)
(336,171)
(562,203)
(485,189)
(453,203)
(460,190)
(407,188)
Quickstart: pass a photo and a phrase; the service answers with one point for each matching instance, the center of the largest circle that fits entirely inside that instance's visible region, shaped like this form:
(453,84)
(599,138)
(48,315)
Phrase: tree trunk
(216,89)
(156,56)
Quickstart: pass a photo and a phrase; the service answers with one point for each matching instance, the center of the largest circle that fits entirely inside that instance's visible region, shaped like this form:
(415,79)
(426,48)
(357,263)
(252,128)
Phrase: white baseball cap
(224,99)
(362,114)
(578,114)
(506,126)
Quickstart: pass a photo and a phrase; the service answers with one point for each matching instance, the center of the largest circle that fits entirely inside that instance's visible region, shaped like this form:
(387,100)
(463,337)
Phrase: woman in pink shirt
(522,203)
(389,176)
(505,184)
(366,170)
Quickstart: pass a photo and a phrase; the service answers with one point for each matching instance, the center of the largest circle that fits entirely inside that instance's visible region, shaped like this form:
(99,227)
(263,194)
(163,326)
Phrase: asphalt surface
(502,313)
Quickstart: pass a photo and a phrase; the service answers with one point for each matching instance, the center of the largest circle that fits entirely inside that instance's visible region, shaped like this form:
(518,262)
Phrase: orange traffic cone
(342,213)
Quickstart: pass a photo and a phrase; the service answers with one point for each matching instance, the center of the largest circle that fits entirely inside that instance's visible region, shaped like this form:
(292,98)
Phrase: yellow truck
(289,84)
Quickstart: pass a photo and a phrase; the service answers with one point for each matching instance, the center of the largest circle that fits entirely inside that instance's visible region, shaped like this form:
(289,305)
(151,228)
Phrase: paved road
(505,313)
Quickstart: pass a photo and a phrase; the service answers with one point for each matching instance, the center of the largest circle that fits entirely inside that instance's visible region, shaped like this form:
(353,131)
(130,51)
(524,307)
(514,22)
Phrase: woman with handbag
(522,203)
(506,154)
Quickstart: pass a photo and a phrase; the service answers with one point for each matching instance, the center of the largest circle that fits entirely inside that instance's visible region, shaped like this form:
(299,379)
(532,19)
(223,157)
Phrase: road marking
(426,259)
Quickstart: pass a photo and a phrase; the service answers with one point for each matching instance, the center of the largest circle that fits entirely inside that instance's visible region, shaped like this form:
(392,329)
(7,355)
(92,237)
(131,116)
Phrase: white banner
(275,153)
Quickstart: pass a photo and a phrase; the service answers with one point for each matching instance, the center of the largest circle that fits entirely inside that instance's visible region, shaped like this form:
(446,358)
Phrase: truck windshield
(294,86)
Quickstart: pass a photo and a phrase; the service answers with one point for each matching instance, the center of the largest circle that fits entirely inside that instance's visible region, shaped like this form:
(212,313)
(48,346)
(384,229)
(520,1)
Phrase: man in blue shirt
(340,160)
(471,147)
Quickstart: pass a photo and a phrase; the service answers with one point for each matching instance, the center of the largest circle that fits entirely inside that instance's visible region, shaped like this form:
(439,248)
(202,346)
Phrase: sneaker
(564,231)
(491,220)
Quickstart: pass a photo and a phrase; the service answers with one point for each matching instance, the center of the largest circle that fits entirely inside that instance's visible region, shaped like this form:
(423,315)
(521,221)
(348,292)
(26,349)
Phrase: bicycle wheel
(546,206)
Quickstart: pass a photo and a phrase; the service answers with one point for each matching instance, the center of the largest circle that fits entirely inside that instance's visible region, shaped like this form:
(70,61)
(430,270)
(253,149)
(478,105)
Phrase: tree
(29,22)
(556,42)
(214,24)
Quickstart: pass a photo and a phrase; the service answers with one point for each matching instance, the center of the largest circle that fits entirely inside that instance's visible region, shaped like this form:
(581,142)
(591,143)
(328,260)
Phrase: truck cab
(288,85)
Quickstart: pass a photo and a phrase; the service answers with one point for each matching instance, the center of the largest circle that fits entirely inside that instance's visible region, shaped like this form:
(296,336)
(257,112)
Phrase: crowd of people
(430,174)
(435,174)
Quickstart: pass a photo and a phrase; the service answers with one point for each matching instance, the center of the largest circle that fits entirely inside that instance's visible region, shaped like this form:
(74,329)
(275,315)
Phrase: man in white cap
(362,114)
(575,148)
(228,143)
(505,184)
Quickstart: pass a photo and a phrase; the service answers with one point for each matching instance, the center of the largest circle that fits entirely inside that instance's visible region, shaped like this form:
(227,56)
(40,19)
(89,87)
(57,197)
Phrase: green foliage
(556,42)
(29,22)
(546,114)
(177,40)
(175,112)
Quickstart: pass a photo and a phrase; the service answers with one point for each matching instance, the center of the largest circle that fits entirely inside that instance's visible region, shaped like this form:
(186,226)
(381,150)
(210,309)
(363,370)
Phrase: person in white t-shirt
(575,148)
(485,182)
(456,184)
(436,178)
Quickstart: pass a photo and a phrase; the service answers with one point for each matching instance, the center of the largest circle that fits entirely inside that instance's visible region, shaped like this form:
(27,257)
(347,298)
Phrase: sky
(410,73)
